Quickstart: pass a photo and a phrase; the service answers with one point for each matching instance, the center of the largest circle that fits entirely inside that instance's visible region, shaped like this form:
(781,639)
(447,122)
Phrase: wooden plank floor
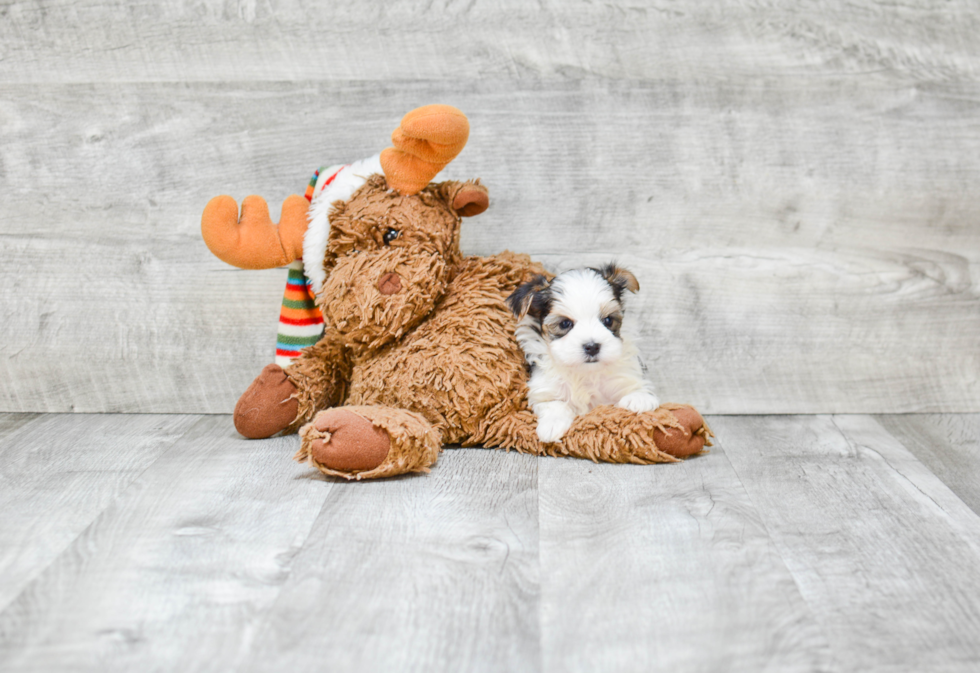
(799,543)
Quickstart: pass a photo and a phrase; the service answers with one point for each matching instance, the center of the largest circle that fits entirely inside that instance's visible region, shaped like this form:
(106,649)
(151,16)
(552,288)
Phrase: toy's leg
(283,400)
(362,442)
(617,435)
(611,434)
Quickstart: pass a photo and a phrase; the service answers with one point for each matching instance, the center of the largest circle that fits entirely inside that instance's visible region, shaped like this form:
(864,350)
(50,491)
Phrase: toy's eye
(390,235)
(607,321)
(565,324)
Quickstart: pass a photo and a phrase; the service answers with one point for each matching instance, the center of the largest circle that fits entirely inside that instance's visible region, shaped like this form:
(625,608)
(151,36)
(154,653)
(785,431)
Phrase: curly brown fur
(379,234)
(608,434)
(424,220)
(431,355)
(459,365)
(320,375)
(443,344)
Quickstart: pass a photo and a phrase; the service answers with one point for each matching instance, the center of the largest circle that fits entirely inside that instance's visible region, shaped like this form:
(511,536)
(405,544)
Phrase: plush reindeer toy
(418,346)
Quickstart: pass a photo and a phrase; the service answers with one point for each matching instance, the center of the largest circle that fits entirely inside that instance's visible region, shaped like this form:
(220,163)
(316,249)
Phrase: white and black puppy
(570,332)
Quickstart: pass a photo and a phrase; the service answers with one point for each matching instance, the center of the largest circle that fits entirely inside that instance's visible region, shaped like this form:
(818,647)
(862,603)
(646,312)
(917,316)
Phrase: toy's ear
(619,278)
(466,198)
(522,299)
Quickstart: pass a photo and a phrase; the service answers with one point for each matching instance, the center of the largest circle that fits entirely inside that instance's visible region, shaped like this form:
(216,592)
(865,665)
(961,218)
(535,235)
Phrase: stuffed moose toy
(417,347)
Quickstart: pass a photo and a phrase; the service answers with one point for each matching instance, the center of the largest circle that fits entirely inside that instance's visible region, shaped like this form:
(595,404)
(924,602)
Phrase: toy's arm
(283,400)
(321,375)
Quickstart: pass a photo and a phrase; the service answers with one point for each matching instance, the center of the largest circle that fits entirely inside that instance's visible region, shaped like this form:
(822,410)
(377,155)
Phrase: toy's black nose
(591,349)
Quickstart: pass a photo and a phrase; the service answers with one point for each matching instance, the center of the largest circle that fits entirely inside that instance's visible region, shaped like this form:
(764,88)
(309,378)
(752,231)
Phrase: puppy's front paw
(639,401)
(553,428)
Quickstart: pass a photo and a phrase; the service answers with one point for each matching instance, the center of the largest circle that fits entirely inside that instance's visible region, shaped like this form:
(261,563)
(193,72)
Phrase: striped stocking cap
(300,320)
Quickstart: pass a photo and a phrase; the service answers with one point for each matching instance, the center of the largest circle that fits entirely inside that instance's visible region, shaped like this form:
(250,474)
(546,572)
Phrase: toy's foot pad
(686,440)
(347,442)
(268,406)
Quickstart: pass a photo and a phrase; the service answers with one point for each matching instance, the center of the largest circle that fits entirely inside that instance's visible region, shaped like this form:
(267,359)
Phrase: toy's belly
(460,365)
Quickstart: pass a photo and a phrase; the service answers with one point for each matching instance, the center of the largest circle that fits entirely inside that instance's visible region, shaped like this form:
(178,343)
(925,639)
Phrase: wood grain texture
(665,569)
(884,554)
(58,473)
(794,186)
(64,41)
(427,573)
(10,423)
(788,261)
(176,572)
(948,444)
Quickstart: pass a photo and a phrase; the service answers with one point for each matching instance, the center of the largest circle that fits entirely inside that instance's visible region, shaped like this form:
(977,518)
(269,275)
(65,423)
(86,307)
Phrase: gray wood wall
(796,185)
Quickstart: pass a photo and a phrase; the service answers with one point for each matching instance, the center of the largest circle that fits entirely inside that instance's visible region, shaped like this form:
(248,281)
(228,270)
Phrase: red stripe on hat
(301,321)
(331,178)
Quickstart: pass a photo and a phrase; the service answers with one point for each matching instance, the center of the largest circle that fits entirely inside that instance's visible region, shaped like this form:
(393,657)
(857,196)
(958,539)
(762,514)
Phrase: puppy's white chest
(588,392)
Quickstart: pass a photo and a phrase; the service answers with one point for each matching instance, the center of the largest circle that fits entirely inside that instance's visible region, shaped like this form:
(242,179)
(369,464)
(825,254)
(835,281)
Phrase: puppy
(570,332)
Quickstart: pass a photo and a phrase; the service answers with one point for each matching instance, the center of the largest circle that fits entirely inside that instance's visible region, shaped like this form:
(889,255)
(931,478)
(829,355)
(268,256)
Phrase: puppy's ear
(619,278)
(520,301)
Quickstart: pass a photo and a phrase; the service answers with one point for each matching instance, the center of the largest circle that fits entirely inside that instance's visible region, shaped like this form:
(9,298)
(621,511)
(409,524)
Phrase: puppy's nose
(591,349)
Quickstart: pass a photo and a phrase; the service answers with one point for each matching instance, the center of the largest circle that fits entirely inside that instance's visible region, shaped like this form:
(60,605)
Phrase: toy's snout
(374,297)
(389,284)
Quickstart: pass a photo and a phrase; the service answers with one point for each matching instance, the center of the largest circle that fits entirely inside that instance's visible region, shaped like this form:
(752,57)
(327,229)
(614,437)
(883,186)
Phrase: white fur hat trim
(344,181)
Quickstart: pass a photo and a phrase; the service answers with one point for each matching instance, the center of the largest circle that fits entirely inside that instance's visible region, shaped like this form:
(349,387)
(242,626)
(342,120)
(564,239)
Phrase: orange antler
(254,242)
(428,138)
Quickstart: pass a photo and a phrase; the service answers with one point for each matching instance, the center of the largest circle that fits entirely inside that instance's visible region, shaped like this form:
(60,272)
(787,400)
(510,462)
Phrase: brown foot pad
(267,407)
(369,442)
(686,440)
(347,442)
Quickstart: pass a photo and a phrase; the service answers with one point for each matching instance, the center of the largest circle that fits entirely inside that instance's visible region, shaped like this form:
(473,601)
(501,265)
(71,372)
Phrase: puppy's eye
(608,321)
(565,324)
(390,235)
